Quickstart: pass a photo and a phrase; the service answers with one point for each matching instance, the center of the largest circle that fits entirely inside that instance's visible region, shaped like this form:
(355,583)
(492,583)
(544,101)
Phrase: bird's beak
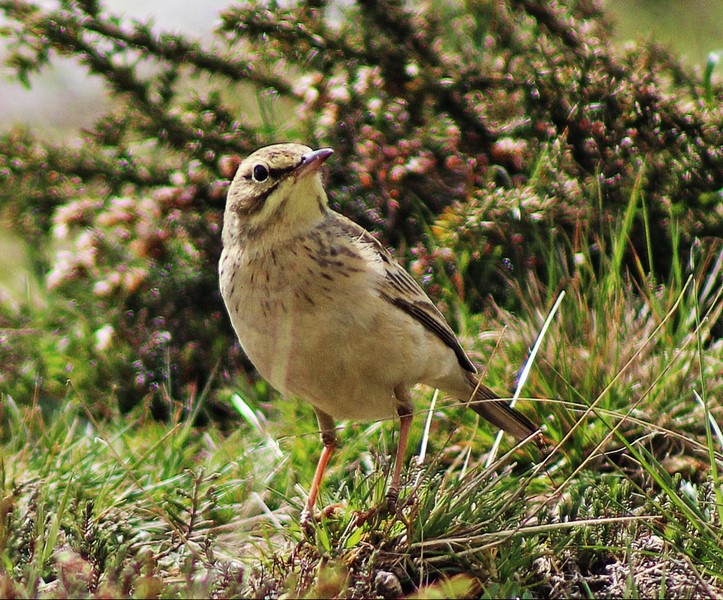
(312,161)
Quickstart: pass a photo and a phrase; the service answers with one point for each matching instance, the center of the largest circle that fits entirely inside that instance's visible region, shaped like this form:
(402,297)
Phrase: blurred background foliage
(474,138)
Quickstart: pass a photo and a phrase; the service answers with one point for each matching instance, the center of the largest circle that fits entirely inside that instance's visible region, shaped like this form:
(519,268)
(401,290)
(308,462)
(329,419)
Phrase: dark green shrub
(506,119)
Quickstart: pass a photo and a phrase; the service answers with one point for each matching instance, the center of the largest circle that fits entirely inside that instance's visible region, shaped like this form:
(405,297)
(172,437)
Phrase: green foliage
(89,509)
(509,153)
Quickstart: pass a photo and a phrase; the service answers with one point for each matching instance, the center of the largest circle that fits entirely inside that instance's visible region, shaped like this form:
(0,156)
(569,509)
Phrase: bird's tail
(488,405)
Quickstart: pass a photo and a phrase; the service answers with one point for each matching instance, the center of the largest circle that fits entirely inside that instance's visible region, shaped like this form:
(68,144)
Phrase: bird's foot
(307,521)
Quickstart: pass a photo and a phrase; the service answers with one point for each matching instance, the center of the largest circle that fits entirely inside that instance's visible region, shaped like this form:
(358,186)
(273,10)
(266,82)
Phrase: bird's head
(277,191)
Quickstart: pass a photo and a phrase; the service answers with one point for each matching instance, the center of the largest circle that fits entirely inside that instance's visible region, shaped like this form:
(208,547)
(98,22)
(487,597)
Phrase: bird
(325,313)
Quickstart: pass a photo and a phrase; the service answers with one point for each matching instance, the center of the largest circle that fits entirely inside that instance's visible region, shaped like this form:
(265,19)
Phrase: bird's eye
(261,173)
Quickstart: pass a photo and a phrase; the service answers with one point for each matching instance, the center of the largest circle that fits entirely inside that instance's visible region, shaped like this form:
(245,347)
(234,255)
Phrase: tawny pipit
(325,313)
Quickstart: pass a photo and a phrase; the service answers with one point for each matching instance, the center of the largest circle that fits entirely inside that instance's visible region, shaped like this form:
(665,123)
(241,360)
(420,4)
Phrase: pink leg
(319,474)
(405,422)
(328,438)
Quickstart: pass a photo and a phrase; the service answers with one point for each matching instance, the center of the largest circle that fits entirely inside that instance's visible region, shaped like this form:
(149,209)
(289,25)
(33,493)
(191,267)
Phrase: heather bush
(475,139)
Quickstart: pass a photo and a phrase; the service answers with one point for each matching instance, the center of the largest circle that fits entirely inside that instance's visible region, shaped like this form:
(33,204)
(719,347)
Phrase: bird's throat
(294,208)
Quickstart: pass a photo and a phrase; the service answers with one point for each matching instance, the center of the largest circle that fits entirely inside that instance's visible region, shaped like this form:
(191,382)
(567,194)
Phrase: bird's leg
(404,410)
(328,438)
(329,445)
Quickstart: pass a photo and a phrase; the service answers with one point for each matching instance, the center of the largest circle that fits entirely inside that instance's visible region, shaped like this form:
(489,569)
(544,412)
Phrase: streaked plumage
(324,311)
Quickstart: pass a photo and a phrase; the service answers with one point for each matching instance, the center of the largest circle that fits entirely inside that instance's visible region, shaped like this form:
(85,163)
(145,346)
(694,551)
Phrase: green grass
(627,382)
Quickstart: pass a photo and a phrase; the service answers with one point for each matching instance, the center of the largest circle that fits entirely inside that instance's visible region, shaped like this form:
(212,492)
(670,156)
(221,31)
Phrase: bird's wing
(399,289)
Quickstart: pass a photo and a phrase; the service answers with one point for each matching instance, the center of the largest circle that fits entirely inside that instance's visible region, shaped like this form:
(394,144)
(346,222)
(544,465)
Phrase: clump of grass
(126,507)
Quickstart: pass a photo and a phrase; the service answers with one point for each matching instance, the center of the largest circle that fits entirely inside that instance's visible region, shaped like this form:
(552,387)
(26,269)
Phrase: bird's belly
(343,348)
(330,358)
(344,359)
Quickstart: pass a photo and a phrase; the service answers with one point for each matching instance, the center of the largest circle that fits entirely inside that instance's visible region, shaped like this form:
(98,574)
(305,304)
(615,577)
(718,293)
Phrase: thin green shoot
(526,371)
